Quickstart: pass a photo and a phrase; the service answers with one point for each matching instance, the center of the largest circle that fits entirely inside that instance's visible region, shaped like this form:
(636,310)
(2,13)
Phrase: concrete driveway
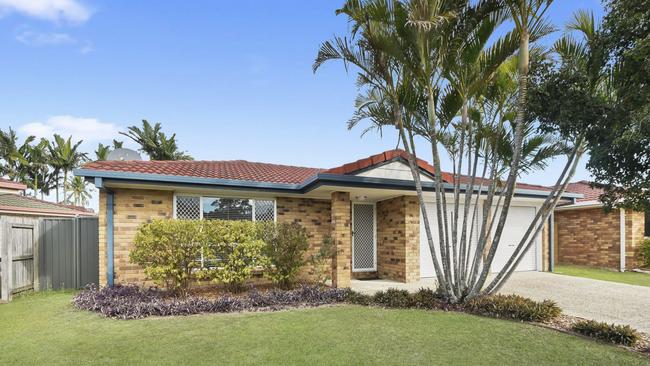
(586,298)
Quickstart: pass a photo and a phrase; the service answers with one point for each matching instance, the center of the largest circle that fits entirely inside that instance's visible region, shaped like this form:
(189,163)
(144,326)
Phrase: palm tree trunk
(524,54)
(65,184)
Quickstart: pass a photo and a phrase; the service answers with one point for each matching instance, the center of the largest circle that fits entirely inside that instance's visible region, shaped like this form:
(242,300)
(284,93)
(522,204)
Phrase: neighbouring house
(368,207)
(584,234)
(31,242)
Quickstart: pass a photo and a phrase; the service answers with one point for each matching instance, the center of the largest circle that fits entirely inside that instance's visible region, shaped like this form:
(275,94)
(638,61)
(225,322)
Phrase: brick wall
(131,209)
(313,215)
(342,236)
(398,239)
(634,235)
(591,237)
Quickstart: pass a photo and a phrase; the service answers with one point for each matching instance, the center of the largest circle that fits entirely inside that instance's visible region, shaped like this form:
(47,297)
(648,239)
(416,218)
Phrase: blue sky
(233,80)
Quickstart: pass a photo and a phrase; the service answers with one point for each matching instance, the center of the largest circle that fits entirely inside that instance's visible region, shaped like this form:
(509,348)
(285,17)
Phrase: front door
(364,246)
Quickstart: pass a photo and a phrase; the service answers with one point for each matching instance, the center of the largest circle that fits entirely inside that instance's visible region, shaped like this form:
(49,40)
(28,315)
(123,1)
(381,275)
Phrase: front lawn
(45,329)
(631,278)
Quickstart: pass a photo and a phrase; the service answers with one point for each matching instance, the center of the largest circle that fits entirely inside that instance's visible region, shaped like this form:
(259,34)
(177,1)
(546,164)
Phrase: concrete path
(586,298)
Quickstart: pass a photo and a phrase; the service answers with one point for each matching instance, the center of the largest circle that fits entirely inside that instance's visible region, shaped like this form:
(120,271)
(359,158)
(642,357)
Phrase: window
(221,208)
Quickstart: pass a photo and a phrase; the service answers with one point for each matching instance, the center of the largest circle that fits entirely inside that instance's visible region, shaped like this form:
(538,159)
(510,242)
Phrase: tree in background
(79,191)
(103,150)
(620,147)
(65,156)
(155,143)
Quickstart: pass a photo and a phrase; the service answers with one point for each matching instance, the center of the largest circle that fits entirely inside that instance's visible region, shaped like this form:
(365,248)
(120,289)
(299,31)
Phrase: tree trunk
(514,166)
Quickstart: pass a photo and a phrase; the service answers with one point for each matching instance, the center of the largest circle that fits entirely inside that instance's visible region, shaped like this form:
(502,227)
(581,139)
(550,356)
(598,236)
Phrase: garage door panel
(519,218)
(426,262)
(517,222)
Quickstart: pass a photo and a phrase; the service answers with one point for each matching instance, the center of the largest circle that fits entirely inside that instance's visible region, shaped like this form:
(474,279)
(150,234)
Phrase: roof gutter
(318,180)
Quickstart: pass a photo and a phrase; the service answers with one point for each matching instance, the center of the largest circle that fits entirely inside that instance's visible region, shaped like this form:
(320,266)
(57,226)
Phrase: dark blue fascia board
(318,180)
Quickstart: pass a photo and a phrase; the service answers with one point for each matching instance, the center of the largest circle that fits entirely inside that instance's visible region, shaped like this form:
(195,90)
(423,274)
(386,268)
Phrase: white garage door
(519,218)
(426,263)
(517,223)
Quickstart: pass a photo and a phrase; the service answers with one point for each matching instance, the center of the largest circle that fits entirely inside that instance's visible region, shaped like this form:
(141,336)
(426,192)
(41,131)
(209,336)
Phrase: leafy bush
(285,248)
(232,253)
(645,253)
(132,302)
(617,334)
(322,260)
(168,251)
(175,253)
(393,298)
(513,307)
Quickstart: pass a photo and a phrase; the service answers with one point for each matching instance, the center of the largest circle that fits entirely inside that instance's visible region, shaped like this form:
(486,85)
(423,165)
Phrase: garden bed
(132,302)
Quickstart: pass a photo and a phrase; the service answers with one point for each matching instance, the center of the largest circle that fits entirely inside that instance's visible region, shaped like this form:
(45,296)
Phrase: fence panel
(88,229)
(69,253)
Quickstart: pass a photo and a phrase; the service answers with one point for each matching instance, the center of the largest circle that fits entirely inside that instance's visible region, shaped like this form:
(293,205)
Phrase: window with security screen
(188,207)
(221,208)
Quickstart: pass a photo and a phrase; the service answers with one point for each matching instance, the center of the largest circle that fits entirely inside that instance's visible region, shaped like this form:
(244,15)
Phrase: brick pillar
(412,239)
(342,236)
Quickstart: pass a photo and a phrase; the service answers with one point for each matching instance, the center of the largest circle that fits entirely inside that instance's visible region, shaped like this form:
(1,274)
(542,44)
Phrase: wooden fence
(47,253)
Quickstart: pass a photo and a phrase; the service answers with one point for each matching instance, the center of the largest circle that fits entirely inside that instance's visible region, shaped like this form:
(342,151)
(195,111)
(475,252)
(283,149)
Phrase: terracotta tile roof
(263,172)
(401,154)
(381,158)
(583,187)
(14,202)
(8,184)
(225,169)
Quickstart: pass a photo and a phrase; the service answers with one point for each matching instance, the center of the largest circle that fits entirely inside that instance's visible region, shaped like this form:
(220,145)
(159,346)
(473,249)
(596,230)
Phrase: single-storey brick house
(369,208)
(584,234)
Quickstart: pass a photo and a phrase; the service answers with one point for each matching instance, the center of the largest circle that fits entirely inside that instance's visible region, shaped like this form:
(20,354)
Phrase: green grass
(631,278)
(45,329)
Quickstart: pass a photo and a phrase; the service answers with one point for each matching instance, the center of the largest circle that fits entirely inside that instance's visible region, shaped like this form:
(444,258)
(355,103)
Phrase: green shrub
(645,253)
(285,247)
(612,333)
(426,299)
(393,298)
(233,251)
(322,260)
(513,307)
(358,298)
(168,252)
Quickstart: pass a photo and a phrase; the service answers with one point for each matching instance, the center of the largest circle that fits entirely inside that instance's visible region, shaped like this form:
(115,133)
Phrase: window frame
(251,201)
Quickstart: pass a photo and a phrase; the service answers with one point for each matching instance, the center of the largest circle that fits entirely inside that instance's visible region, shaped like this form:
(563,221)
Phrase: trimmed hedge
(401,299)
(132,302)
(514,307)
(612,333)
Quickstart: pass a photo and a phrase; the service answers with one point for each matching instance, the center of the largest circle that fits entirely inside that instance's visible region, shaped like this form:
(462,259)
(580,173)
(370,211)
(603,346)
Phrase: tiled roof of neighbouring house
(264,172)
(584,187)
(6,183)
(17,203)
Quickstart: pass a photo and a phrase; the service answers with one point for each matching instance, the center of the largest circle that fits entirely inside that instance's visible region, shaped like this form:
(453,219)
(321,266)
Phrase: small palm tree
(102,151)
(155,143)
(79,191)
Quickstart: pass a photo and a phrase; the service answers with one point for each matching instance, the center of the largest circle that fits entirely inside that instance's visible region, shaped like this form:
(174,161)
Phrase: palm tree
(102,151)
(65,158)
(35,166)
(425,68)
(12,154)
(155,143)
(79,193)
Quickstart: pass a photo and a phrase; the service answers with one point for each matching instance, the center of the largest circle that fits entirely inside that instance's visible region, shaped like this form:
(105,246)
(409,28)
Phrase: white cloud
(80,128)
(53,10)
(39,39)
